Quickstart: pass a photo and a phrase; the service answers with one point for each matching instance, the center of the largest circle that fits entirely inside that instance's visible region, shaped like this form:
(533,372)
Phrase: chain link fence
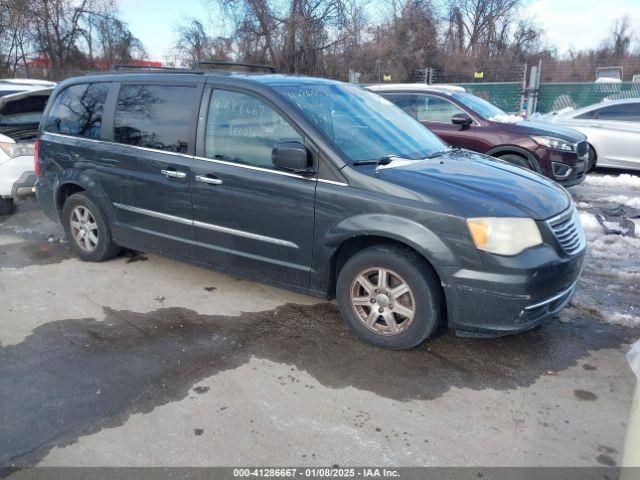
(553,96)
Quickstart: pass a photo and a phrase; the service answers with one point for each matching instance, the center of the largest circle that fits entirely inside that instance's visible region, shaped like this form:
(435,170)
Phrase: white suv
(21,105)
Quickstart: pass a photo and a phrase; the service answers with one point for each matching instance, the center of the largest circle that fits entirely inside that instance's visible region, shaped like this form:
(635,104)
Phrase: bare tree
(619,42)
(194,45)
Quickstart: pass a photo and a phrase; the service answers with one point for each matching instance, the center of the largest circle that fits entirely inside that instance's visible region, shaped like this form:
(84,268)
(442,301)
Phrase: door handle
(209,180)
(173,174)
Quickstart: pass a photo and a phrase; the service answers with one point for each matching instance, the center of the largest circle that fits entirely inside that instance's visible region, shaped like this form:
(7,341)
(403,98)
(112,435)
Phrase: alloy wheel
(84,228)
(383,301)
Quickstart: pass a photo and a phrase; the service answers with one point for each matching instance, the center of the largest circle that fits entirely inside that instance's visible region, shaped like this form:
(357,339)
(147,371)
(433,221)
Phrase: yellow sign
(478,74)
(386,77)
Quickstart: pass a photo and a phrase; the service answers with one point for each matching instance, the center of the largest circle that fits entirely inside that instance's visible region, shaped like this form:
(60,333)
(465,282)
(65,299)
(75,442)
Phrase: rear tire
(86,229)
(6,206)
(398,312)
(517,160)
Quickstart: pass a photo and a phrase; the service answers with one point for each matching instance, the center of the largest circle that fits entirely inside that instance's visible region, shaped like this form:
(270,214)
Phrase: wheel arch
(515,150)
(70,182)
(358,233)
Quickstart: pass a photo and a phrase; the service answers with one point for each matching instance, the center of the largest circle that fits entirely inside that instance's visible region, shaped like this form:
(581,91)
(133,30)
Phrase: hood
(528,127)
(479,185)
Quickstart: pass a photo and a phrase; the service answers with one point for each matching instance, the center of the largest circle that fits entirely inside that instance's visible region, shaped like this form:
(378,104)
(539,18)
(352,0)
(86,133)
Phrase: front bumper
(521,294)
(566,168)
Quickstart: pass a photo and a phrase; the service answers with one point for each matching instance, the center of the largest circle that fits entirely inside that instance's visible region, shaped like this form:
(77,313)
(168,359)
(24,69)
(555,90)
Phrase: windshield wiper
(379,161)
(438,154)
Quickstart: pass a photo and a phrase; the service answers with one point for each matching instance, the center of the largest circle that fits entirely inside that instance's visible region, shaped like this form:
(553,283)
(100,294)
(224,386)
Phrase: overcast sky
(568,24)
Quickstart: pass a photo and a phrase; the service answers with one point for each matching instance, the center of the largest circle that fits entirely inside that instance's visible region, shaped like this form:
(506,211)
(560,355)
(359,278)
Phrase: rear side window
(154,116)
(78,110)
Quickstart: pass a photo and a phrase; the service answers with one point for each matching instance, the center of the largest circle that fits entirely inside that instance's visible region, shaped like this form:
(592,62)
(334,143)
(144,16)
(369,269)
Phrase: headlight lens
(553,142)
(504,235)
(17,149)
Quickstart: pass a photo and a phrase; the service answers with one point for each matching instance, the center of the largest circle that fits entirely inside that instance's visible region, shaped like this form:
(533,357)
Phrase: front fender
(402,230)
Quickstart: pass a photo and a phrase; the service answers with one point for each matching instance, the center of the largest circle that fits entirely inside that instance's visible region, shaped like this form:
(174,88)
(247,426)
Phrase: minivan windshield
(480,106)
(362,124)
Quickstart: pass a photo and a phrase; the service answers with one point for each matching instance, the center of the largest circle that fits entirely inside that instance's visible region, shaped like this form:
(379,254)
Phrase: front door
(248,215)
(147,166)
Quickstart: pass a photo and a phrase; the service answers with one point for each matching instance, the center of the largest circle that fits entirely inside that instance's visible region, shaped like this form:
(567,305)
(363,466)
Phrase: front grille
(568,231)
(582,149)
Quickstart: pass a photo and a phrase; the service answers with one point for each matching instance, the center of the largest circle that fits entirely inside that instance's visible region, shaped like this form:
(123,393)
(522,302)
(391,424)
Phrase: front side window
(435,109)
(243,129)
(590,115)
(363,125)
(154,116)
(78,110)
(624,112)
(479,105)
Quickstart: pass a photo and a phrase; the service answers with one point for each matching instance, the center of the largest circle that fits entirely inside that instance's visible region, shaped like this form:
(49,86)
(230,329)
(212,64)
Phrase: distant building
(42,63)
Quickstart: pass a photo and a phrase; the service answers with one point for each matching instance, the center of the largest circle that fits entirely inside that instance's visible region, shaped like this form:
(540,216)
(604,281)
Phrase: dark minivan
(465,120)
(313,185)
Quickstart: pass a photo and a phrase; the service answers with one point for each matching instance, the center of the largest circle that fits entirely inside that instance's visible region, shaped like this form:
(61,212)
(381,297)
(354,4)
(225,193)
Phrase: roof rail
(140,67)
(214,64)
(116,69)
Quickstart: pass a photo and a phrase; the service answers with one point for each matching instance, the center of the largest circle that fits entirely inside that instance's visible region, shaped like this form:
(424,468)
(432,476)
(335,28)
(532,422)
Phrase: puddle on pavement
(27,253)
(74,377)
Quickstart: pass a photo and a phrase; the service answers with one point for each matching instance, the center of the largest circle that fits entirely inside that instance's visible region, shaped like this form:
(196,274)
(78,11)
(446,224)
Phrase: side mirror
(292,156)
(461,119)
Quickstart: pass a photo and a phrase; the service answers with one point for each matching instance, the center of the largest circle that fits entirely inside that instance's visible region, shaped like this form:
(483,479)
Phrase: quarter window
(435,109)
(78,110)
(243,129)
(154,116)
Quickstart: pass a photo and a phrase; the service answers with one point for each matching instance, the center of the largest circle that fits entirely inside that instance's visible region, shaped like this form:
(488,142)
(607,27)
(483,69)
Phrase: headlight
(504,235)
(553,142)
(17,149)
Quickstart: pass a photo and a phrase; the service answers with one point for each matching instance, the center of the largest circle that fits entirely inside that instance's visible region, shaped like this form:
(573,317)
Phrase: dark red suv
(467,121)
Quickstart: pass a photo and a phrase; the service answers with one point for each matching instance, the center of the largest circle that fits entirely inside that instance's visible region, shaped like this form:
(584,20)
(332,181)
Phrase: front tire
(6,206)
(591,160)
(86,229)
(390,297)
(518,161)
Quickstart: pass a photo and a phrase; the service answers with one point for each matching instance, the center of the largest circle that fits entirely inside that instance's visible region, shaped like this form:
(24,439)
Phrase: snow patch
(506,118)
(590,224)
(624,319)
(603,246)
(633,202)
(624,180)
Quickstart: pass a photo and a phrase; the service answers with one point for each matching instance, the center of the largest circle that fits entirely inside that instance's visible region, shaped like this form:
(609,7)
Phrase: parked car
(313,185)
(465,120)
(20,115)
(612,129)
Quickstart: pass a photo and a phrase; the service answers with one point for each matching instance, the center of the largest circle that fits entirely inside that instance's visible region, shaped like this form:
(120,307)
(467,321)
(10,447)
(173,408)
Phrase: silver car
(612,129)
